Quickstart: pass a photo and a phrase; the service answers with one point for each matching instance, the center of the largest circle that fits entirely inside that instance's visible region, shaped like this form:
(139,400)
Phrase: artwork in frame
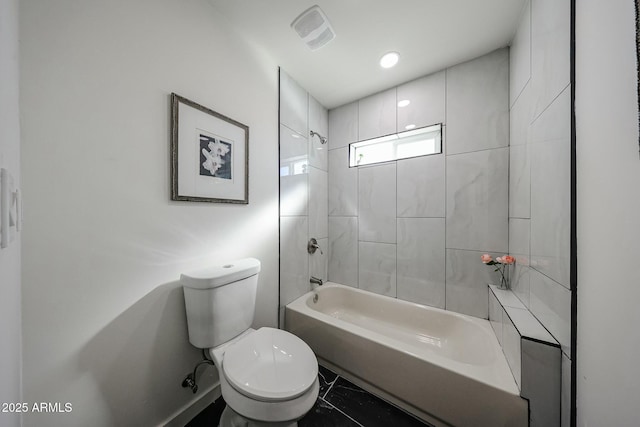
(209,155)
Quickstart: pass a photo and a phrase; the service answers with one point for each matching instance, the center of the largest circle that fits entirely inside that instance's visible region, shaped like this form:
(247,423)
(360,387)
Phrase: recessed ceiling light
(389,59)
(404,103)
(409,127)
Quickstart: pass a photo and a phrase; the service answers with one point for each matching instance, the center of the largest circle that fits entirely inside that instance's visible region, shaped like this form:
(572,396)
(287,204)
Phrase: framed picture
(209,155)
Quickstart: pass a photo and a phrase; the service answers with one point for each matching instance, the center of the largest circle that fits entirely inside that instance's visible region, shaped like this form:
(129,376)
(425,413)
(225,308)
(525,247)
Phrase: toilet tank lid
(220,275)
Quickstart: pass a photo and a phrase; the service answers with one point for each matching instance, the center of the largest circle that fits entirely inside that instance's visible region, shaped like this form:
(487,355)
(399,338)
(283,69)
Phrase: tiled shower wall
(540,159)
(303,190)
(415,228)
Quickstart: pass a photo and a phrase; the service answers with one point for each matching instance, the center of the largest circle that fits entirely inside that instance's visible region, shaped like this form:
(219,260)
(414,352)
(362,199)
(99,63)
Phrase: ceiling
(430,35)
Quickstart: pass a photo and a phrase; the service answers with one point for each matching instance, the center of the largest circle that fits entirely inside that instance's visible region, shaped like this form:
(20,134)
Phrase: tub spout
(315,281)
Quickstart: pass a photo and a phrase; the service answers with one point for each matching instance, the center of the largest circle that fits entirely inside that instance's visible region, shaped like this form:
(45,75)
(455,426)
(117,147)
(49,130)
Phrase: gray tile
(519,181)
(550,50)
(318,200)
(293,104)
(427,101)
(377,203)
(519,236)
(478,104)
(377,115)
(343,125)
(421,261)
(318,122)
(551,304)
(293,173)
(467,279)
(377,268)
(541,382)
(495,316)
(294,261)
(319,261)
(511,347)
(477,200)
(520,55)
(565,406)
(343,250)
(551,190)
(343,184)
(519,248)
(421,187)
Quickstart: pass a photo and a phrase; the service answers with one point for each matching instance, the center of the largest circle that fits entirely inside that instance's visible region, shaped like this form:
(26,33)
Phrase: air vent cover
(314,28)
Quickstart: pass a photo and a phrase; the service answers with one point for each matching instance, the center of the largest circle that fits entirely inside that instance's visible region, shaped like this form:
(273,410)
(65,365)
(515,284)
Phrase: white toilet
(268,377)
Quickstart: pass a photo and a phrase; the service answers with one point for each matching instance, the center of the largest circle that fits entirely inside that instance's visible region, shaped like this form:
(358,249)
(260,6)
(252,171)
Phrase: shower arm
(323,139)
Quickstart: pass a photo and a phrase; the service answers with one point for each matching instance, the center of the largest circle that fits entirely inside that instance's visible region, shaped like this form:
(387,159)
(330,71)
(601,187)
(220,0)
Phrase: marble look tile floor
(340,404)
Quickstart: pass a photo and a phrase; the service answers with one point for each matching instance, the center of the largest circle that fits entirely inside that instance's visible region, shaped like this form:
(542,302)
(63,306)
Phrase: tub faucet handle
(316,281)
(313,246)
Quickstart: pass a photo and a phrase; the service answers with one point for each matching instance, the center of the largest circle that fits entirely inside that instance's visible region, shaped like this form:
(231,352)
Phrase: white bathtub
(444,367)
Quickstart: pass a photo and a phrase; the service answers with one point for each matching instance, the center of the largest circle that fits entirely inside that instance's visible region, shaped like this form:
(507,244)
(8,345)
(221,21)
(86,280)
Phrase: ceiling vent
(314,28)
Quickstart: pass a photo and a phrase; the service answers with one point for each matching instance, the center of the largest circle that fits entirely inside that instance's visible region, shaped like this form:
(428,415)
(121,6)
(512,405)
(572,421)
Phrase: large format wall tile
(551,190)
(511,347)
(477,200)
(293,104)
(293,173)
(319,261)
(377,203)
(550,50)
(294,261)
(519,248)
(426,98)
(377,115)
(520,56)
(496,316)
(318,122)
(343,125)
(519,181)
(421,261)
(421,184)
(467,279)
(565,407)
(318,199)
(551,304)
(478,104)
(520,118)
(343,250)
(377,268)
(541,382)
(343,184)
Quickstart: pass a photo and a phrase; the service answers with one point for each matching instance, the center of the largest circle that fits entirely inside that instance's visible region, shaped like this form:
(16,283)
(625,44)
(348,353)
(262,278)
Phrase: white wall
(104,321)
(10,342)
(608,213)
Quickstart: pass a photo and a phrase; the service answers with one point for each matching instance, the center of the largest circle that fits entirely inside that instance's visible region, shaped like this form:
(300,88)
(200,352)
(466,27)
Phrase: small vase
(505,282)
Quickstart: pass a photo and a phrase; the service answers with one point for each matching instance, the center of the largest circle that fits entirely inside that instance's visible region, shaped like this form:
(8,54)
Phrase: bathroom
(92,311)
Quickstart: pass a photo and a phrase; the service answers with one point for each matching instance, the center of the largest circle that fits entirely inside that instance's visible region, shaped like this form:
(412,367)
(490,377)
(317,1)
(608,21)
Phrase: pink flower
(499,259)
(486,258)
(508,259)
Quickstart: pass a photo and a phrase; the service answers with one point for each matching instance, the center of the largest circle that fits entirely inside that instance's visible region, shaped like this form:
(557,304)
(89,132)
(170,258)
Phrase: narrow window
(412,143)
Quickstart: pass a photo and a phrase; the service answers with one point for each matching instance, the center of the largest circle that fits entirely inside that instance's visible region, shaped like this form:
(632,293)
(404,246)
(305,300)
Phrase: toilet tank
(220,301)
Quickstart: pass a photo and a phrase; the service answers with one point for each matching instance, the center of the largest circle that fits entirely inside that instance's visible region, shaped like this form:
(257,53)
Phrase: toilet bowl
(268,377)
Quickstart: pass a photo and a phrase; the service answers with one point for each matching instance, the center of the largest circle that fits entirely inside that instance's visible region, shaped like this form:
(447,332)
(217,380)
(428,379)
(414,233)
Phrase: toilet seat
(270,365)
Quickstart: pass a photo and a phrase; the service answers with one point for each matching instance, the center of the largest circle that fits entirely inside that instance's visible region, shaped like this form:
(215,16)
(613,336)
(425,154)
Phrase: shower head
(323,139)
